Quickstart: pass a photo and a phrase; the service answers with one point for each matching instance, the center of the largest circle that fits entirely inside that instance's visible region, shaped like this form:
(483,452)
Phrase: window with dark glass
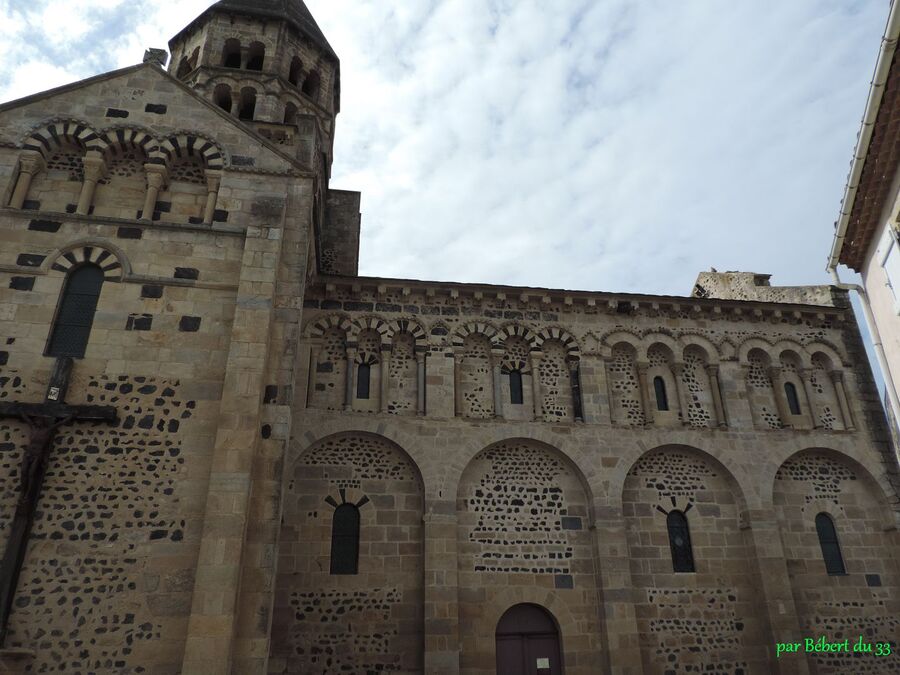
(345,540)
(831,550)
(516,395)
(680,542)
(793,401)
(363,376)
(662,399)
(75,316)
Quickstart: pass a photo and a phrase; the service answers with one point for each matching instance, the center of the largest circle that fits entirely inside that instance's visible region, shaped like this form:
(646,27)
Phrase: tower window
(311,85)
(516,394)
(222,97)
(790,391)
(72,327)
(231,54)
(831,550)
(662,399)
(248,104)
(363,376)
(183,69)
(290,114)
(345,540)
(256,56)
(296,69)
(680,542)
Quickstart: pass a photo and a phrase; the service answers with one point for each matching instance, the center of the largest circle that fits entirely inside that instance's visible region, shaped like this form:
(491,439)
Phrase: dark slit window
(362,380)
(793,401)
(662,400)
(831,550)
(516,395)
(75,316)
(680,542)
(345,540)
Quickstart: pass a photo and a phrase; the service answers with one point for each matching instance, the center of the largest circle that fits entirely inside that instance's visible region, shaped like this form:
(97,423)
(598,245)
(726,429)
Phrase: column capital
(386,347)
(774,372)
(94,166)
(157,174)
(836,376)
(804,373)
(678,368)
(213,180)
(712,368)
(31,162)
(642,367)
(420,356)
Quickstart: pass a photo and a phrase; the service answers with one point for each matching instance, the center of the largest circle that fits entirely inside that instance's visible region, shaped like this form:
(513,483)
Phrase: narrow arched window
(231,54)
(662,399)
(680,542)
(363,376)
(790,391)
(345,540)
(248,104)
(311,85)
(296,69)
(183,68)
(256,56)
(831,550)
(516,395)
(290,114)
(75,316)
(222,97)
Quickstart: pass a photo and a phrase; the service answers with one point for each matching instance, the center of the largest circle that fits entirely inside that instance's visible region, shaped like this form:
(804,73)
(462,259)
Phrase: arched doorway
(528,642)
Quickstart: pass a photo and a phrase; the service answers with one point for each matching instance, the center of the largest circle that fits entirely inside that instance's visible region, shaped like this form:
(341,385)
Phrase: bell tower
(267,63)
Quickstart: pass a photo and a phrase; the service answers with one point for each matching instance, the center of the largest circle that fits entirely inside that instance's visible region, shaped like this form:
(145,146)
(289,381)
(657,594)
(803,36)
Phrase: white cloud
(617,145)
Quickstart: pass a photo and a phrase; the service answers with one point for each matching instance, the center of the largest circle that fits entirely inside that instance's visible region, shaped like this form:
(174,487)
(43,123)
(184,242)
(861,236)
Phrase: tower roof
(295,12)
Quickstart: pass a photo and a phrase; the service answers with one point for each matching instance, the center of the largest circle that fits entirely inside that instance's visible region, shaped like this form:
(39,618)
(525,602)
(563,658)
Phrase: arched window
(183,68)
(516,395)
(75,316)
(831,550)
(290,114)
(248,104)
(793,401)
(231,54)
(345,540)
(311,85)
(256,56)
(222,97)
(296,70)
(363,377)
(680,542)
(662,400)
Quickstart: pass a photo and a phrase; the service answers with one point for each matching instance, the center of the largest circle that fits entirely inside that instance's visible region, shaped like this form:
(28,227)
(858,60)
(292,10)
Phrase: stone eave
(607,302)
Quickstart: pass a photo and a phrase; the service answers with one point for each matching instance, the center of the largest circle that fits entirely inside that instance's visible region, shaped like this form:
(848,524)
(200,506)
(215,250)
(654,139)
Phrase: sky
(610,145)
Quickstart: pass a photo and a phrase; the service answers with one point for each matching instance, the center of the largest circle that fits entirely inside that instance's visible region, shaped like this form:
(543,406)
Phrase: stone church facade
(317,472)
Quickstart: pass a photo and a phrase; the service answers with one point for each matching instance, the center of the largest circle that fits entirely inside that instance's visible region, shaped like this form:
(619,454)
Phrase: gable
(141,99)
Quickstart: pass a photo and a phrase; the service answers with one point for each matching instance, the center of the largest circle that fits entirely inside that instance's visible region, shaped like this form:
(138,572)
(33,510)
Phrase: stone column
(646,400)
(350,379)
(617,592)
(457,382)
(837,379)
(677,372)
(575,382)
(441,590)
(713,371)
(609,390)
(784,411)
(385,377)
(213,181)
(495,379)
(94,169)
(31,163)
(420,383)
(774,592)
(536,392)
(314,352)
(810,405)
(156,178)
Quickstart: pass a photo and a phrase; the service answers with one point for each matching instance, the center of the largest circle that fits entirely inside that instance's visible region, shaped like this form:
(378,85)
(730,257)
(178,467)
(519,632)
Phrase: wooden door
(528,642)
